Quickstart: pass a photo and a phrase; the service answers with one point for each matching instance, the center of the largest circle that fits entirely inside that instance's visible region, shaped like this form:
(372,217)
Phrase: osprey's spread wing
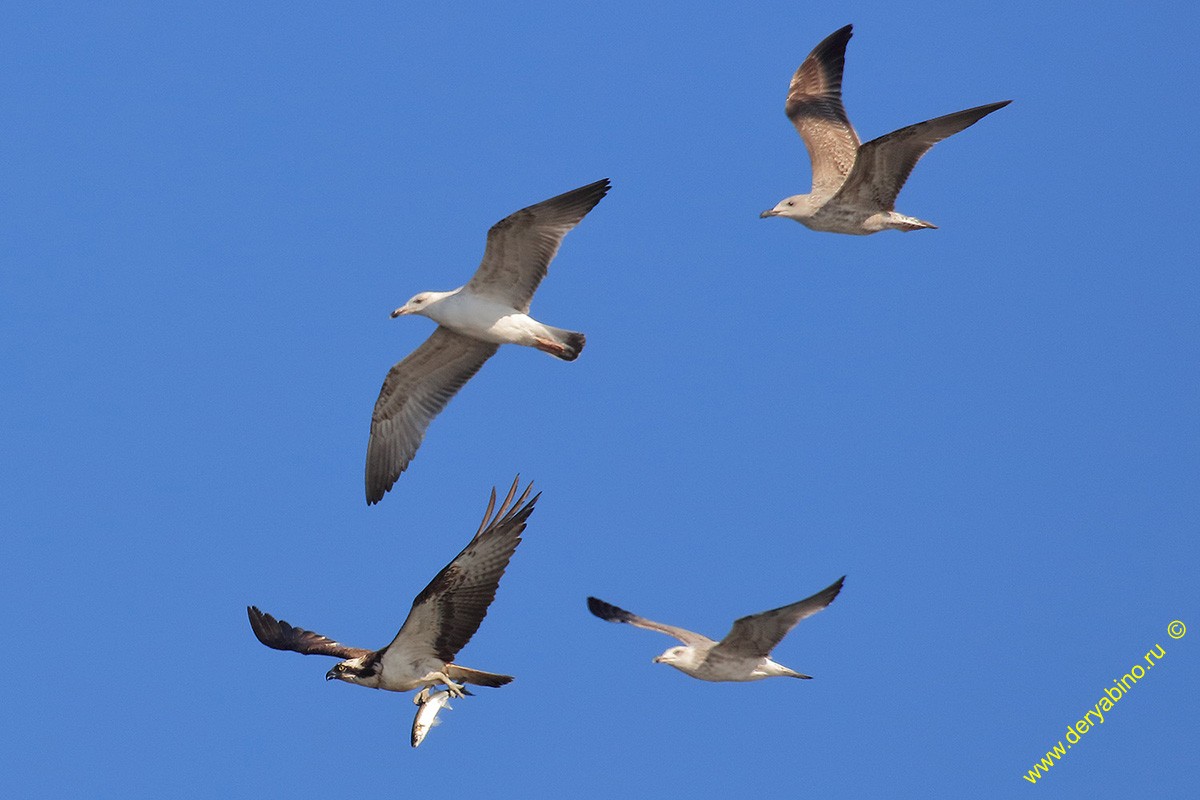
(414,392)
(281,636)
(814,105)
(521,246)
(607,611)
(447,612)
(755,636)
(884,164)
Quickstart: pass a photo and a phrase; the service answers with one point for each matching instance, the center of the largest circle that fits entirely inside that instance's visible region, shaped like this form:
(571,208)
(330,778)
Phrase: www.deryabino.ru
(1095,715)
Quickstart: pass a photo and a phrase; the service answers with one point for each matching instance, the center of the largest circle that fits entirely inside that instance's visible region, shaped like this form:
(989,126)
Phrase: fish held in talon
(854,187)
(744,653)
(426,716)
(443,618)
(473,321)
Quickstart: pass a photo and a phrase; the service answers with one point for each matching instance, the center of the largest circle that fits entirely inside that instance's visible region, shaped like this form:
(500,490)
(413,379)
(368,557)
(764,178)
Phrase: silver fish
(427,713)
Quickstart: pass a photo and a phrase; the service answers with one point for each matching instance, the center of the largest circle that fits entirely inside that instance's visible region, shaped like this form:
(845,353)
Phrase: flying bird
(473,321)
(854,186)
(744,653)
(444,617)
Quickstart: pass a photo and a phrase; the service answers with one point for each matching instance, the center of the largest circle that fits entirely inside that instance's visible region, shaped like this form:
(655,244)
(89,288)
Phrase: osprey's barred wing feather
(447,612)
(279,635)
(611,613)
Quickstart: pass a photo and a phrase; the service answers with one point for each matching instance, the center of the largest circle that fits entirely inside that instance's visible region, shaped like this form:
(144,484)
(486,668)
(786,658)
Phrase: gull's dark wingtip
(832,590)
(607,611)
(593,193)
(834,44)
(377,487)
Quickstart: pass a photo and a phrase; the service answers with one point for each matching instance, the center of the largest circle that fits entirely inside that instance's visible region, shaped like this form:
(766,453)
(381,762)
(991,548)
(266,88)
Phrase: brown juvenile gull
(444,617)
(854,187)
(744,653)
(473,321)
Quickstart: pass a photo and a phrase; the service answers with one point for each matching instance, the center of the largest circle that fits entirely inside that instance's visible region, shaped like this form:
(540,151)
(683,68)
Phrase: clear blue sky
(992,428)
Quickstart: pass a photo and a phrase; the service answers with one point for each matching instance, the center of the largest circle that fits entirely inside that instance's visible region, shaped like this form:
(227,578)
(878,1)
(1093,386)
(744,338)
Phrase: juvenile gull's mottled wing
(447,612)
(884,164)
(279,635)
(611,613)
(414,392)
(521,246)
(814,105)
(756,635)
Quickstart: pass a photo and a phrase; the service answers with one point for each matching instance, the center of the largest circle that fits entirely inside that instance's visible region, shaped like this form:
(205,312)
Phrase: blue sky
(992,429)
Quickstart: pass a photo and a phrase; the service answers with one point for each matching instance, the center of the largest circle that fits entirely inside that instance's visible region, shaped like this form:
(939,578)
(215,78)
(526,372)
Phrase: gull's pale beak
(656,660)
(399,312)
(770,212)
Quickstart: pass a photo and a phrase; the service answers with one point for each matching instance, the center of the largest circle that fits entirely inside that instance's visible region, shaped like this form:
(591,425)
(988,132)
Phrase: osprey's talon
(455,689)
(421,697)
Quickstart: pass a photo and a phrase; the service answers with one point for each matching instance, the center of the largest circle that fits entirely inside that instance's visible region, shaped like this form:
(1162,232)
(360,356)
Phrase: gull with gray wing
(854,187)
(444,617)
(473,321)
(744,653)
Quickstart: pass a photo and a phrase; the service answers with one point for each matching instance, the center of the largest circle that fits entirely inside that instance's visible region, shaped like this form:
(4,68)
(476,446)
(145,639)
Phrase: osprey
(473,321)
(854,187)
(444,617)
(744,653)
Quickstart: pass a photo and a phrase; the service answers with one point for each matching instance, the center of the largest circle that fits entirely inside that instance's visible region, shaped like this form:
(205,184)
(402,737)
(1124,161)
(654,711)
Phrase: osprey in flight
(744,653)
(854,187)
(473,321)
(444,617)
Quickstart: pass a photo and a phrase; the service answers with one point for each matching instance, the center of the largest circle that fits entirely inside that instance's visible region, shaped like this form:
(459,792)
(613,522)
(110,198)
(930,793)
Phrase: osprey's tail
(476,677)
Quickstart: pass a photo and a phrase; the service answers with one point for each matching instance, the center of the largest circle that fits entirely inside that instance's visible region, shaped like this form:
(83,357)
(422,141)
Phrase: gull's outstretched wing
(755,636)
(607,611)
(279,635)
(447,612)
(521,246)
(414,392)
(884,164)
(814,105)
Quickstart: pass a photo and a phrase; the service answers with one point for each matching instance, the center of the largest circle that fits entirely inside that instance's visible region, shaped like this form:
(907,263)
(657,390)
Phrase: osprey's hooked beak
(331,675)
